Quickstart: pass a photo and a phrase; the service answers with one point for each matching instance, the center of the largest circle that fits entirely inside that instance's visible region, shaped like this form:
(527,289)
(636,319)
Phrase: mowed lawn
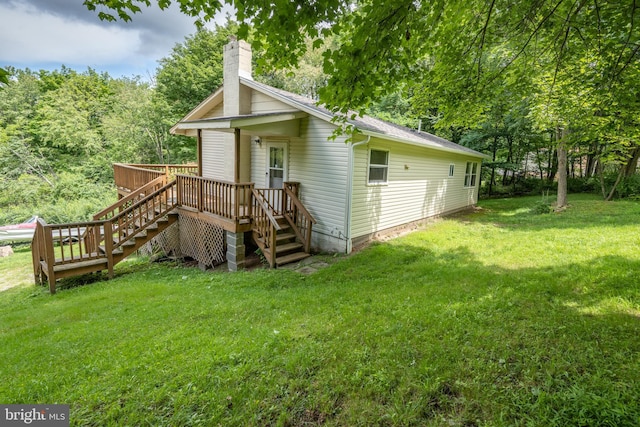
(497,317)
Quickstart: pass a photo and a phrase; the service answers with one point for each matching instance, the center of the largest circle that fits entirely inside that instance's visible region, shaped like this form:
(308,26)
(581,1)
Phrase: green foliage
(306,78)
(4,77)
(543,206)
(193,70)
(629,187)
(71,198)
(582,185)
(498,317)
(53,146)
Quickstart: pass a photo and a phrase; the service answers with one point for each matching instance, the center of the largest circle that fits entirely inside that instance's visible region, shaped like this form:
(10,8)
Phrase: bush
(72,198)
(629,187)
(541,208)
(522,187)
(582,185)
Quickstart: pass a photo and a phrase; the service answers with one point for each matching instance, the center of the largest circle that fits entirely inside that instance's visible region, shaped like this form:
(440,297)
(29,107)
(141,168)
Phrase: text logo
(34,415)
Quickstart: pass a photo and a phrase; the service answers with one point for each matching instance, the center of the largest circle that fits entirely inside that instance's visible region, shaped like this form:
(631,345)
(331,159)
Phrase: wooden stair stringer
(288,248)
(141,237)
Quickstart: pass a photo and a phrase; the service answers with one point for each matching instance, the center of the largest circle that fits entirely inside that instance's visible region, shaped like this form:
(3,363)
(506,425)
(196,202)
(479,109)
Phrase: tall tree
(193,69)
(462,50)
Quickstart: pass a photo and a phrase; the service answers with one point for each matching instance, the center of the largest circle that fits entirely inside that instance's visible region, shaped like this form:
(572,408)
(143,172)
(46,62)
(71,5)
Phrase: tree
(463,51)
(4,77)
(69,118)
(18,103)
(193,69)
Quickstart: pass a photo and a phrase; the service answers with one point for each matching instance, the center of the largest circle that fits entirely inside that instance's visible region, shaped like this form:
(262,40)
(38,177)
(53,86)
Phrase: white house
(268,171)
(385,176)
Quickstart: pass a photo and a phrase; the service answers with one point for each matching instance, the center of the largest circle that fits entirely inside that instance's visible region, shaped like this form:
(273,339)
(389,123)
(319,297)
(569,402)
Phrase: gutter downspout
(350,191)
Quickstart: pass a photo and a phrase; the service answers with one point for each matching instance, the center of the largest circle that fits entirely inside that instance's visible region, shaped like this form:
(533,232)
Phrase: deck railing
(283,202)
(298,217)
(170,170)
(128,223)
(226,199)
(265,225)
(131,198)
(55,245)
(130,178)
(71,248)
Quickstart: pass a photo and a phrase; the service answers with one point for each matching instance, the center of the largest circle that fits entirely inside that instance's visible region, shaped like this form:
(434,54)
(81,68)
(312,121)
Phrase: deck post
(108,246)
(235,250)
(50,259)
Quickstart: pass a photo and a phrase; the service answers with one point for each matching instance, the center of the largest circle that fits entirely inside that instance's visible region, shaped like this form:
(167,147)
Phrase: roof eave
(423,144)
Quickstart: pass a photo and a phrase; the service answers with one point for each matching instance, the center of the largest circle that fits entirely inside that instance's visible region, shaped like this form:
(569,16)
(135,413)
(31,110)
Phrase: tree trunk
(539,163)
(553,160)
(494,149)
(592,160)
(600,171)
(632,164)
(615,184)
(562,168)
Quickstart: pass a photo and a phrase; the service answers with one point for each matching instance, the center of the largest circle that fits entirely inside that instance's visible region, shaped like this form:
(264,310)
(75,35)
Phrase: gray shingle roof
(366,124)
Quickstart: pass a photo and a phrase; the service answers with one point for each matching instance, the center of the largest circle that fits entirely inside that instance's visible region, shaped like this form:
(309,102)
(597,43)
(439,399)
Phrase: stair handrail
(72,247)
(266,228)
(109,212)
(90,234)
(157,182)
(129,178)
(136,213)
(298,217)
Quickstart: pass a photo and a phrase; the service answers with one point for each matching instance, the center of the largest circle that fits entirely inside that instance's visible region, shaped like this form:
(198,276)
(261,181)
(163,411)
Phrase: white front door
(276,164)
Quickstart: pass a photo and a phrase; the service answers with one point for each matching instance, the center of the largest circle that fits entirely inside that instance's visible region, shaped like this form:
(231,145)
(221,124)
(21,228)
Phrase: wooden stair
(114,234)
(141,238)
(288,248)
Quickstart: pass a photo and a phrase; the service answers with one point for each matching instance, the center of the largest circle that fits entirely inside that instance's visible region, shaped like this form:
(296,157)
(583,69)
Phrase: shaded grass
(499,317)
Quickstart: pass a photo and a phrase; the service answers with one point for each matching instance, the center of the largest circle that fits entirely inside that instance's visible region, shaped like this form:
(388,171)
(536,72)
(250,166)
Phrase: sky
(46,34)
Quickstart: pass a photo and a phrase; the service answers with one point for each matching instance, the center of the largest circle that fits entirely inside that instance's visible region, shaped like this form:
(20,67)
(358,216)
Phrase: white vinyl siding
(217,162)
(320,166)
(418,186)
(217,111)
(261,103)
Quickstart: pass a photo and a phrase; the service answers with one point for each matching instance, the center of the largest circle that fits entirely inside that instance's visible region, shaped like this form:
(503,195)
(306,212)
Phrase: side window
(452,168)
(378,167)
(471,174)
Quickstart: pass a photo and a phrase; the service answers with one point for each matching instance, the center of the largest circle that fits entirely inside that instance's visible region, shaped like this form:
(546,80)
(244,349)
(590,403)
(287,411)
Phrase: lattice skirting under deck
(190,237)
(167,242)
(202,241)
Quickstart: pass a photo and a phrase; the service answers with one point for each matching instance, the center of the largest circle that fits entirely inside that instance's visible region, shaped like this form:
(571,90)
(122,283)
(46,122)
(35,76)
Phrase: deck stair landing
(64,250)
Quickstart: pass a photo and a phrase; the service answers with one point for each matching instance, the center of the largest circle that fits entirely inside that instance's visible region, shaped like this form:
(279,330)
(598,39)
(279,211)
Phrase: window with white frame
(452,168)
(471,174)
(378,166)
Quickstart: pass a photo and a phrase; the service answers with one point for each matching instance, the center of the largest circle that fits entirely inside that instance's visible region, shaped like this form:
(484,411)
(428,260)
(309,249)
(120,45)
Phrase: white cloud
(30,36)
(45,34)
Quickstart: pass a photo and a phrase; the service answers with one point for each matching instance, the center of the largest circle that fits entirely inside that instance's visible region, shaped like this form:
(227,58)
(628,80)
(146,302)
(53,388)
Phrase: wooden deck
(151,197)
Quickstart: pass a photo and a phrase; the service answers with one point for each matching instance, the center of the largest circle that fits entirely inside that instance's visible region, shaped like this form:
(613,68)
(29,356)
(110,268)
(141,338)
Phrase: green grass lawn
(497,317)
